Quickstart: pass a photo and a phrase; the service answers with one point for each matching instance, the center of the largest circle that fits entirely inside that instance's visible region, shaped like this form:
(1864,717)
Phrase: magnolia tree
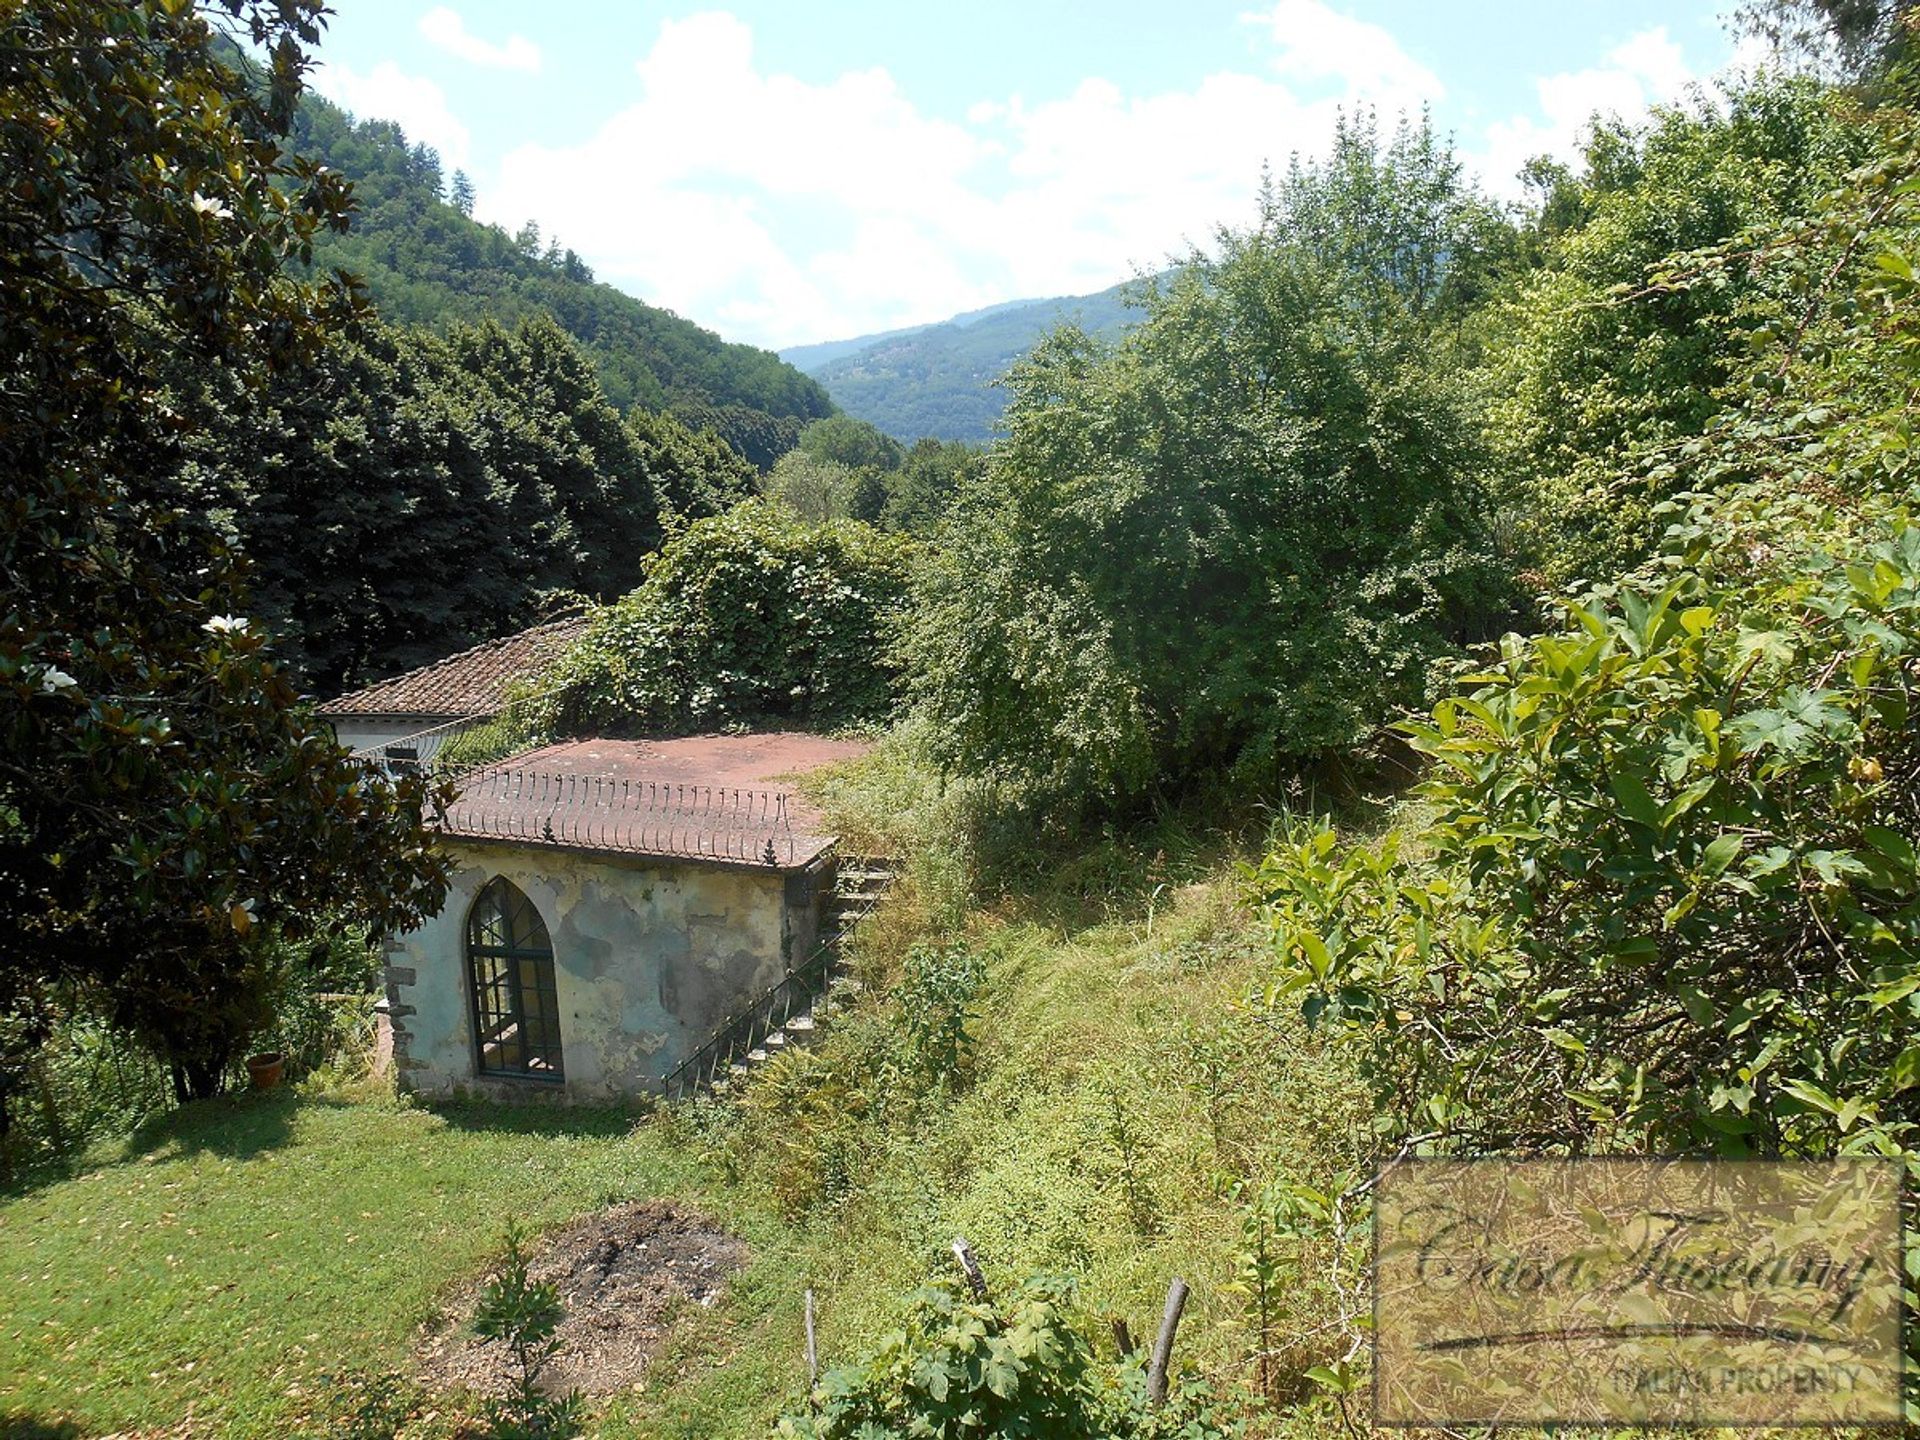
(168,808)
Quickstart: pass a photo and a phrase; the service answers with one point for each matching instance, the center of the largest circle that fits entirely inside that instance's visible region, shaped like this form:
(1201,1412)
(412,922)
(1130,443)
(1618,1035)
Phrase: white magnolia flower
(53,681)
(226,625)
(207,205)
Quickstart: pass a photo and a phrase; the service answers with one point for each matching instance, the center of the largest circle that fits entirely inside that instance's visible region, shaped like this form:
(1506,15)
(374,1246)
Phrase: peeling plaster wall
(649,956)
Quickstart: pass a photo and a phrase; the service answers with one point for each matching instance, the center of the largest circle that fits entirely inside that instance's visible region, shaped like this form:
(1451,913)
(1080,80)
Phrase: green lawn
(231,1255)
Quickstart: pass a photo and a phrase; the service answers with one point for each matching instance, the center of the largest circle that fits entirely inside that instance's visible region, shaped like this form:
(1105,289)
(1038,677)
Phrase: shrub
(812,1111)
(1227,546)
(936,996)
(1606,353)
(746,617)
(1671,898)
(1668,895)
(525,1315)
(962,1368)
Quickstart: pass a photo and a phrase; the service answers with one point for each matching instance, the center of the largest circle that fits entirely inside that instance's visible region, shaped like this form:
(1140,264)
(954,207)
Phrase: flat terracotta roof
(759,759)
(704,797)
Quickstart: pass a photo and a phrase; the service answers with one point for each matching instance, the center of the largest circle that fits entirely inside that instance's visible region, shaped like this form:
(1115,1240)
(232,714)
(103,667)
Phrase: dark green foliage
(746,617)
(844,469)
(524,1315)
(868,457)
(811,489)
(938,989)
(72,1080)
(426,263)
(850,442)
(1601,354)
(167,807)
(944,380)
(928,483)
(759,437)
(962,1369)
(1229,545)
(403,495)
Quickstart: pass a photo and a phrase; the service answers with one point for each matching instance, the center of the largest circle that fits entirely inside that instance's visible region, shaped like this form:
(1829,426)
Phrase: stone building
(612,903)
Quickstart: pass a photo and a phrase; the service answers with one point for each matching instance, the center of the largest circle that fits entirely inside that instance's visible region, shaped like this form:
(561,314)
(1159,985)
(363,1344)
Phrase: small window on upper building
(516,1013)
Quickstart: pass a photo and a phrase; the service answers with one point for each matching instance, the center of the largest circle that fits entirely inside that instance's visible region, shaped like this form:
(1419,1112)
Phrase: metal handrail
(748,1028)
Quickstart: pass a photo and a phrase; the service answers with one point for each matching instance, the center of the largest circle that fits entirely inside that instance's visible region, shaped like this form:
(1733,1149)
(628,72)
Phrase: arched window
(516,1015)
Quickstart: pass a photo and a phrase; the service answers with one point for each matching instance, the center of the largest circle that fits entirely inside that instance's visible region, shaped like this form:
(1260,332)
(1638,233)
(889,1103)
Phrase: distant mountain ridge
(939,379)
(428,263)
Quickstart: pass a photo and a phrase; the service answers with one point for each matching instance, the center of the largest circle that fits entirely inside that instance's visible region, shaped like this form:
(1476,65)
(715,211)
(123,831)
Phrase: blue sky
(786,173)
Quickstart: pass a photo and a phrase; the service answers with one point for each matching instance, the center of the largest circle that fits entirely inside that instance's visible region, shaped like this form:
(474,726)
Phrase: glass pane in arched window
(516,1013)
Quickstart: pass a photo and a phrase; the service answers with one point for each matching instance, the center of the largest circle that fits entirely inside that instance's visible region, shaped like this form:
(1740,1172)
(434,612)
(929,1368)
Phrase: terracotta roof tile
(472,683)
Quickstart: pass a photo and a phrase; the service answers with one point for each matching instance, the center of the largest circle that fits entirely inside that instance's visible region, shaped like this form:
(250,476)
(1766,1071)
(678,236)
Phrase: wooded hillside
(426,262)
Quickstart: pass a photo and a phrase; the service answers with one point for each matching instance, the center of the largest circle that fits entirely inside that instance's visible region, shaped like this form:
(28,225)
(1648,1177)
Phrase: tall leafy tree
(748,617)
(1605,351)
(1664,894)
(1397,212)
(402,494)
(166,804)
(1230,544)
(1859,39)
(928,483)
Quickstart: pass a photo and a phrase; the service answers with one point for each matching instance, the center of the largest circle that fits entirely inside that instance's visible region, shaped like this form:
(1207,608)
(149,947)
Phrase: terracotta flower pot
(265,1070)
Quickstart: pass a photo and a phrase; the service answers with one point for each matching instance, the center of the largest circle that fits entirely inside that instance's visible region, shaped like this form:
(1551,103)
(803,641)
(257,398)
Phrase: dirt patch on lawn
(623,1275)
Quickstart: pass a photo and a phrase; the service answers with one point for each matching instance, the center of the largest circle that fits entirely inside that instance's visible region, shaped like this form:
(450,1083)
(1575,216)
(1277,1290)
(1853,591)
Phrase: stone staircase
(801,1006)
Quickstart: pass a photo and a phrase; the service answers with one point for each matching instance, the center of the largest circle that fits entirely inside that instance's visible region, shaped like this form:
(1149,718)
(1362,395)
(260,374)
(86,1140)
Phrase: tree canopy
(166,803)
(748,617)
(1663,896)
(403,495)
(1235,540)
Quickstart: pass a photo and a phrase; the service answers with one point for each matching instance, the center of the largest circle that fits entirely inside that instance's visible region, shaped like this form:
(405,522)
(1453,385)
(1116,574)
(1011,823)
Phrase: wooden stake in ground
(1122,1338)
(813,1349)
(1163,1346)
(977,1282)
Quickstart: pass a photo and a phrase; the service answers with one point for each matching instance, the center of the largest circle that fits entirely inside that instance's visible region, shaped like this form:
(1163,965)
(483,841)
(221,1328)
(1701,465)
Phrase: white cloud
(779,210)
(1647,70)
(1316,42)
(442,26)
(416,104)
